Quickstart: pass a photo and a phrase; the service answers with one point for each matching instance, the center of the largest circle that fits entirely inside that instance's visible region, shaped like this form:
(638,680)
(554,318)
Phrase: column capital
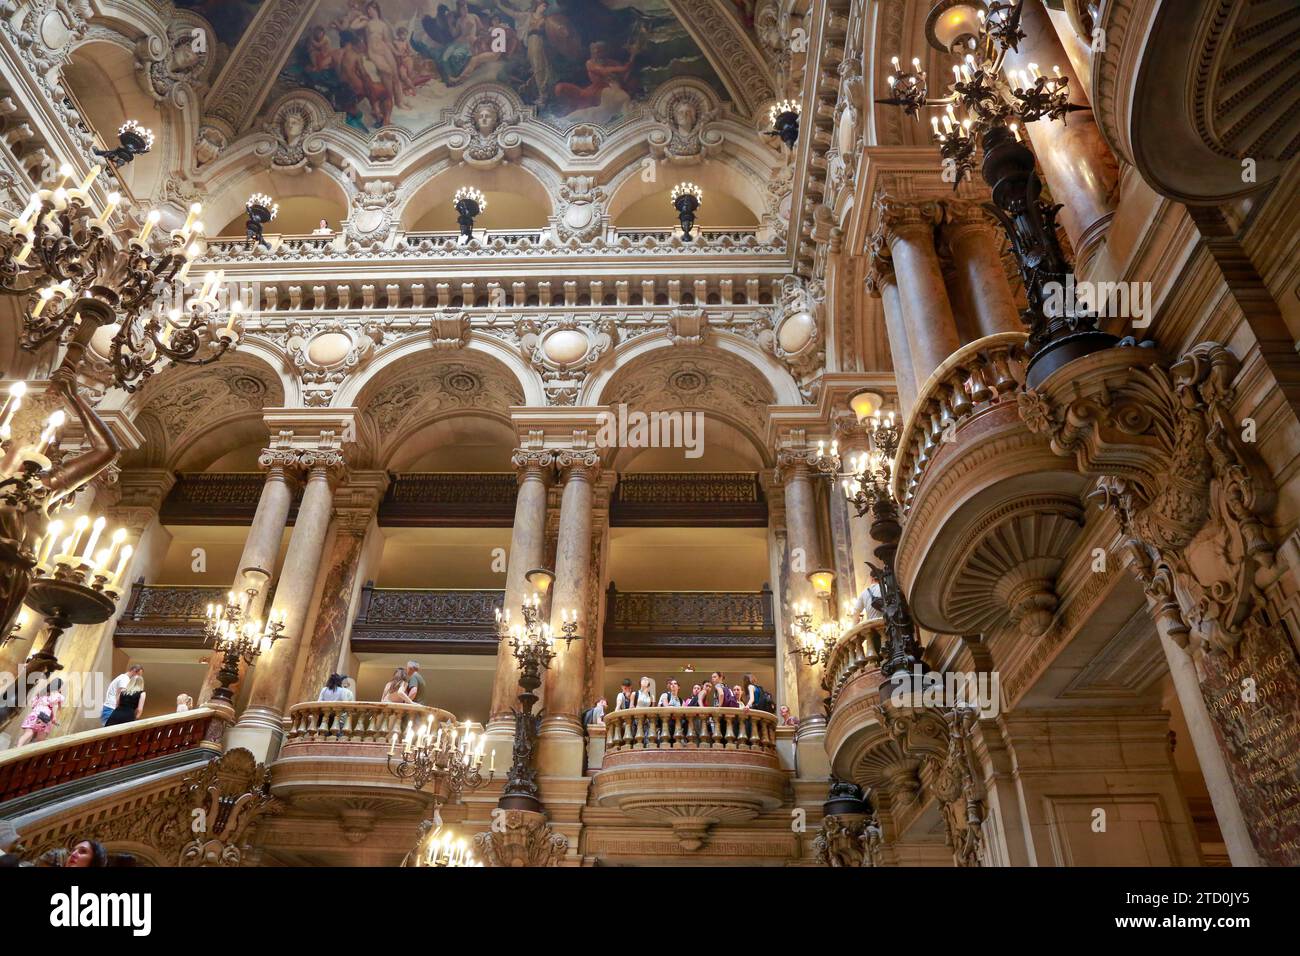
(898,219)
(795,463)
(533,462)
(961,216)
(581,463)
(880,271)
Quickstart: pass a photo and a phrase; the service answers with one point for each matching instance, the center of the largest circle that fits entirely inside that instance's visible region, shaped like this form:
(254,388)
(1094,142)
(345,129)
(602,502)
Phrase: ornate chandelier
(686,199)
(74,581)
(439,846)
(32,486)
(985,106)
(236,638)
(433,753)
(784,117)
(470,204)
(85,282)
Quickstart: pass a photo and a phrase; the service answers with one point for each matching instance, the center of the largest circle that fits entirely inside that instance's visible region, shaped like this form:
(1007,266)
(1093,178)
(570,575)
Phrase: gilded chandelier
(433,753)
(84,281)
(237,637)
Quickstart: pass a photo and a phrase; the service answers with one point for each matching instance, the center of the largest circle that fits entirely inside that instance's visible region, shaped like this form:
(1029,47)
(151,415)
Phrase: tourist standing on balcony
(670,698)
(130,703)
(114,688)
(349,689)
(183,703)
(395,689)
(333,689)
(626,698)
(596,713)
(46,704)
(756,698)
(788,719)
(414,682)
(725,696)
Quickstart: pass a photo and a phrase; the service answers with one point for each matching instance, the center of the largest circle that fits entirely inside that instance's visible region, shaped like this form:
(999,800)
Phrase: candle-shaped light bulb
(150,221)
(90,178)
(78,529)
(891,79)
(1033,68)
(956,73)
(122,560)
(894,60)
(96,529)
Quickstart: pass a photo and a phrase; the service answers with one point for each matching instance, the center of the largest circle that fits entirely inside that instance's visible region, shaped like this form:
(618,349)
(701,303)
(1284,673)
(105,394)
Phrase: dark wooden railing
(403,621)
(40,766)
(719,623)
(218,498)
(168,615)
(430,499)
(720,499)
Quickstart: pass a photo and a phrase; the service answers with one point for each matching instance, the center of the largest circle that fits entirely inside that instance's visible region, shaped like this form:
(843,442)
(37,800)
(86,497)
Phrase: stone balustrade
(988,371)
(856,650)
(64,759)
(690,728)
(690,768)
(358,721)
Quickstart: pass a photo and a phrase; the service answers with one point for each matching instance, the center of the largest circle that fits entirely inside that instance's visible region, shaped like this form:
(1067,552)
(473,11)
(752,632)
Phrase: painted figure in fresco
(605,95)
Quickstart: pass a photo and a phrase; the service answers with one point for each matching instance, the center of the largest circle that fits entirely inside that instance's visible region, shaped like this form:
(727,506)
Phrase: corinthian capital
(960,215)
(580,464)
(797,462)
(533,461)
(904,219)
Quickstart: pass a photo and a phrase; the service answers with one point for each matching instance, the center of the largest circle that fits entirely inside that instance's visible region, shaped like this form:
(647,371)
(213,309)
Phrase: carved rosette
(521,838)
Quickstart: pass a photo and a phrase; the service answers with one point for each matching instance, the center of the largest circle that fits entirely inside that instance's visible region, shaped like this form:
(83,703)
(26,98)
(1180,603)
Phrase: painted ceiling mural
(401,62)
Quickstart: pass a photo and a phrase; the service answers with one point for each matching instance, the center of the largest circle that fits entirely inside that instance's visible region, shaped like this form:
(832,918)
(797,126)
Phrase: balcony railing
(717,499)
(217,498)
(721,623)
(358,721)
(164,615)
(48,764)
(459,499)
(415,620)
(690,728)
(854,652)
(975,377)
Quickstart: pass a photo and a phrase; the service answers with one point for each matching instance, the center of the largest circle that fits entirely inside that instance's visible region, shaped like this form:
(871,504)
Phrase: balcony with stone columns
(334,761)
(690,768)
(989,512)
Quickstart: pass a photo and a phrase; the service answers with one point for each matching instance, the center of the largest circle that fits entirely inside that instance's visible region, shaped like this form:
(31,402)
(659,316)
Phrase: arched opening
(303,200)
(516,199)
(102,80)
(730,200)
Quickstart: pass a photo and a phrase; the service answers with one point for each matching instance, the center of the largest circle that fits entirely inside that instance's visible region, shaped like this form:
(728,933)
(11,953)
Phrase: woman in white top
(333,689)
(670,698)
(395,689)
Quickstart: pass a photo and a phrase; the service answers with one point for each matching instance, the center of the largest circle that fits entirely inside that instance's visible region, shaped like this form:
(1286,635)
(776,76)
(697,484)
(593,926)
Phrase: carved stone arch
(747,355)
(729,48)
(709,380)
(453,426)
(530,178)
(184,407)
(226,184)
(412,382)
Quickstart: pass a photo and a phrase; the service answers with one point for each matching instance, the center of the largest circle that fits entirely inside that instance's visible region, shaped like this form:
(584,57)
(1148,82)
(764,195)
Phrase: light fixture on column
(75,582)
(823,582)
(686,199)
(784,117)
(986,105)
(866,404)
(470,204)
(442,754)
(261,210)
(533,648)
(237,637)
(815,642)
(540,578)
(88,286)
(132,140)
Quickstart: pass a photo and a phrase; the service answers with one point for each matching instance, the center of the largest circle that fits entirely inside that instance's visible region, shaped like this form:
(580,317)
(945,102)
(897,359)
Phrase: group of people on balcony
(712,693)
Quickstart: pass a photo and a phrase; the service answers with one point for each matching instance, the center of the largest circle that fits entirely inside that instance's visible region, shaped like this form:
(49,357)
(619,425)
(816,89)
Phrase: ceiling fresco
(400,62)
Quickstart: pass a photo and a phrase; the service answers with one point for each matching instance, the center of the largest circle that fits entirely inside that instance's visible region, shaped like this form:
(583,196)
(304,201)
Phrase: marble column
(882,282)
(1073,158)
(561,742)
(803,544)
(527,551)
(257,562)
(906,229)
(259,727)
(973,240)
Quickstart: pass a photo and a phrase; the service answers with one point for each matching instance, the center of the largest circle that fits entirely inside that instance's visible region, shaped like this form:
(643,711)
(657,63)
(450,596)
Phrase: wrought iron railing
(693,497)
(163,615)
(459,498)
(217,498)
(408,620)
(722,623)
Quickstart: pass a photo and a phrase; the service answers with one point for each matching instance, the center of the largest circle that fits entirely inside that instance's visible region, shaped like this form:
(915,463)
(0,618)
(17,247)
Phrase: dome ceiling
(402,62)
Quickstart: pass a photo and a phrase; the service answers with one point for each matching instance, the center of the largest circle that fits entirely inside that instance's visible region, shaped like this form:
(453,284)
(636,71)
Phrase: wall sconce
(865,404)
(823,581)
(541,579)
